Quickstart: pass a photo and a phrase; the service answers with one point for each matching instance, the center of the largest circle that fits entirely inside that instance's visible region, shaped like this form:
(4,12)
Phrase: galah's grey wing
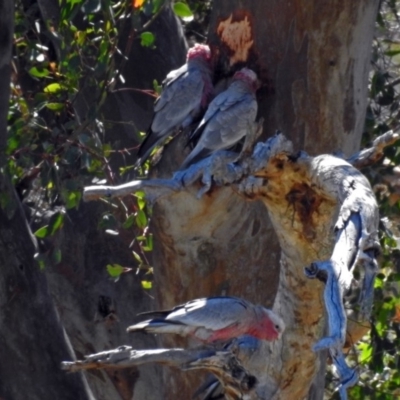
(175,104)
(181,98)
(224,130)
(166,94)
(213,313)
(222,102)
(229,126)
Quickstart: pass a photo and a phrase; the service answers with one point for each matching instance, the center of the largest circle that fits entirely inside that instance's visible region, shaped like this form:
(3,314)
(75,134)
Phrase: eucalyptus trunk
(313,63)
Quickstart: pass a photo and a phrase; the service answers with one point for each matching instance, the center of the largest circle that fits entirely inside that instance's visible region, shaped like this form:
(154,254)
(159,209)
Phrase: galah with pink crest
(186,93)
(214,318)
(228,119)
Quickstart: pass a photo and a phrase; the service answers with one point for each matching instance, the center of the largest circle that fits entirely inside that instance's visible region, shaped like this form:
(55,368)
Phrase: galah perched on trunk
(214,318)
(186,92)
(228,118)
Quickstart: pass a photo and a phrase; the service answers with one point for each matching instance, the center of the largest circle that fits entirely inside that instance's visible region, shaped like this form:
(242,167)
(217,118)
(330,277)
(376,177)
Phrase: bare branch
(238,366)
(154,188)
(372,154)
(126,356)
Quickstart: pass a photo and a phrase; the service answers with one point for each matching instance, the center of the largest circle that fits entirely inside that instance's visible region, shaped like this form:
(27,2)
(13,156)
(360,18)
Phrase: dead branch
(126,356)
(154,189)
(371,155)
(233,365)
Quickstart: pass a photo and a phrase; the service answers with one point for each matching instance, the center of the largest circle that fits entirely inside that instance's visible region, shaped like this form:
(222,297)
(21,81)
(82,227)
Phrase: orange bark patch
(305,203)
(236,33)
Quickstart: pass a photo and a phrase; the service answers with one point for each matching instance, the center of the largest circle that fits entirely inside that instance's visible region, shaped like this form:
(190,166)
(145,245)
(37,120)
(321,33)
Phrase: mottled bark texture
(313,61)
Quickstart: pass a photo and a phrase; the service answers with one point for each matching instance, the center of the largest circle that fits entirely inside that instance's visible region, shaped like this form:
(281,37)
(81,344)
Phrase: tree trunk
(313,63)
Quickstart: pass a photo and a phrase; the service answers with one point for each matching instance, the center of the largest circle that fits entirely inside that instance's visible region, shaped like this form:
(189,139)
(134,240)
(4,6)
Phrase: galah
(186,92)
(228,118)
(214,318)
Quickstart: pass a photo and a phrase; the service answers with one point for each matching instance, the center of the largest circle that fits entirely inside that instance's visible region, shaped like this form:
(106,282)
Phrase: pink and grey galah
(228,118)
(186,93)
(214,318)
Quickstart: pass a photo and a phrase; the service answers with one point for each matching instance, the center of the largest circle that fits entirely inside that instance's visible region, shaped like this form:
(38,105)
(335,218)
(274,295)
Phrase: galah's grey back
(228,118)
(186,92)
(213,313)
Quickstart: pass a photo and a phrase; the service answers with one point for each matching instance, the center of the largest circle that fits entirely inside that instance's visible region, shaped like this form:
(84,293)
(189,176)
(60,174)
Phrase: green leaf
(141,219)
(73,199)
(392,53)
(55,106)
(137,257)
(12,143)
(156,5)
(53,88)
(128,222)
(147,39)
(42,232)
(56,222)
(115,270)
(182,10)
(140,194)
(124,170)
(147,285)
(365,352)
(141,203)
(158,89)
(149,243)
(73,2)
(39,72)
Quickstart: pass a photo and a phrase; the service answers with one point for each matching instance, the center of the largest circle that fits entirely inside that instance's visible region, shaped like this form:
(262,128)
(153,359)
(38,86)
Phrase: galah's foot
(217,168)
